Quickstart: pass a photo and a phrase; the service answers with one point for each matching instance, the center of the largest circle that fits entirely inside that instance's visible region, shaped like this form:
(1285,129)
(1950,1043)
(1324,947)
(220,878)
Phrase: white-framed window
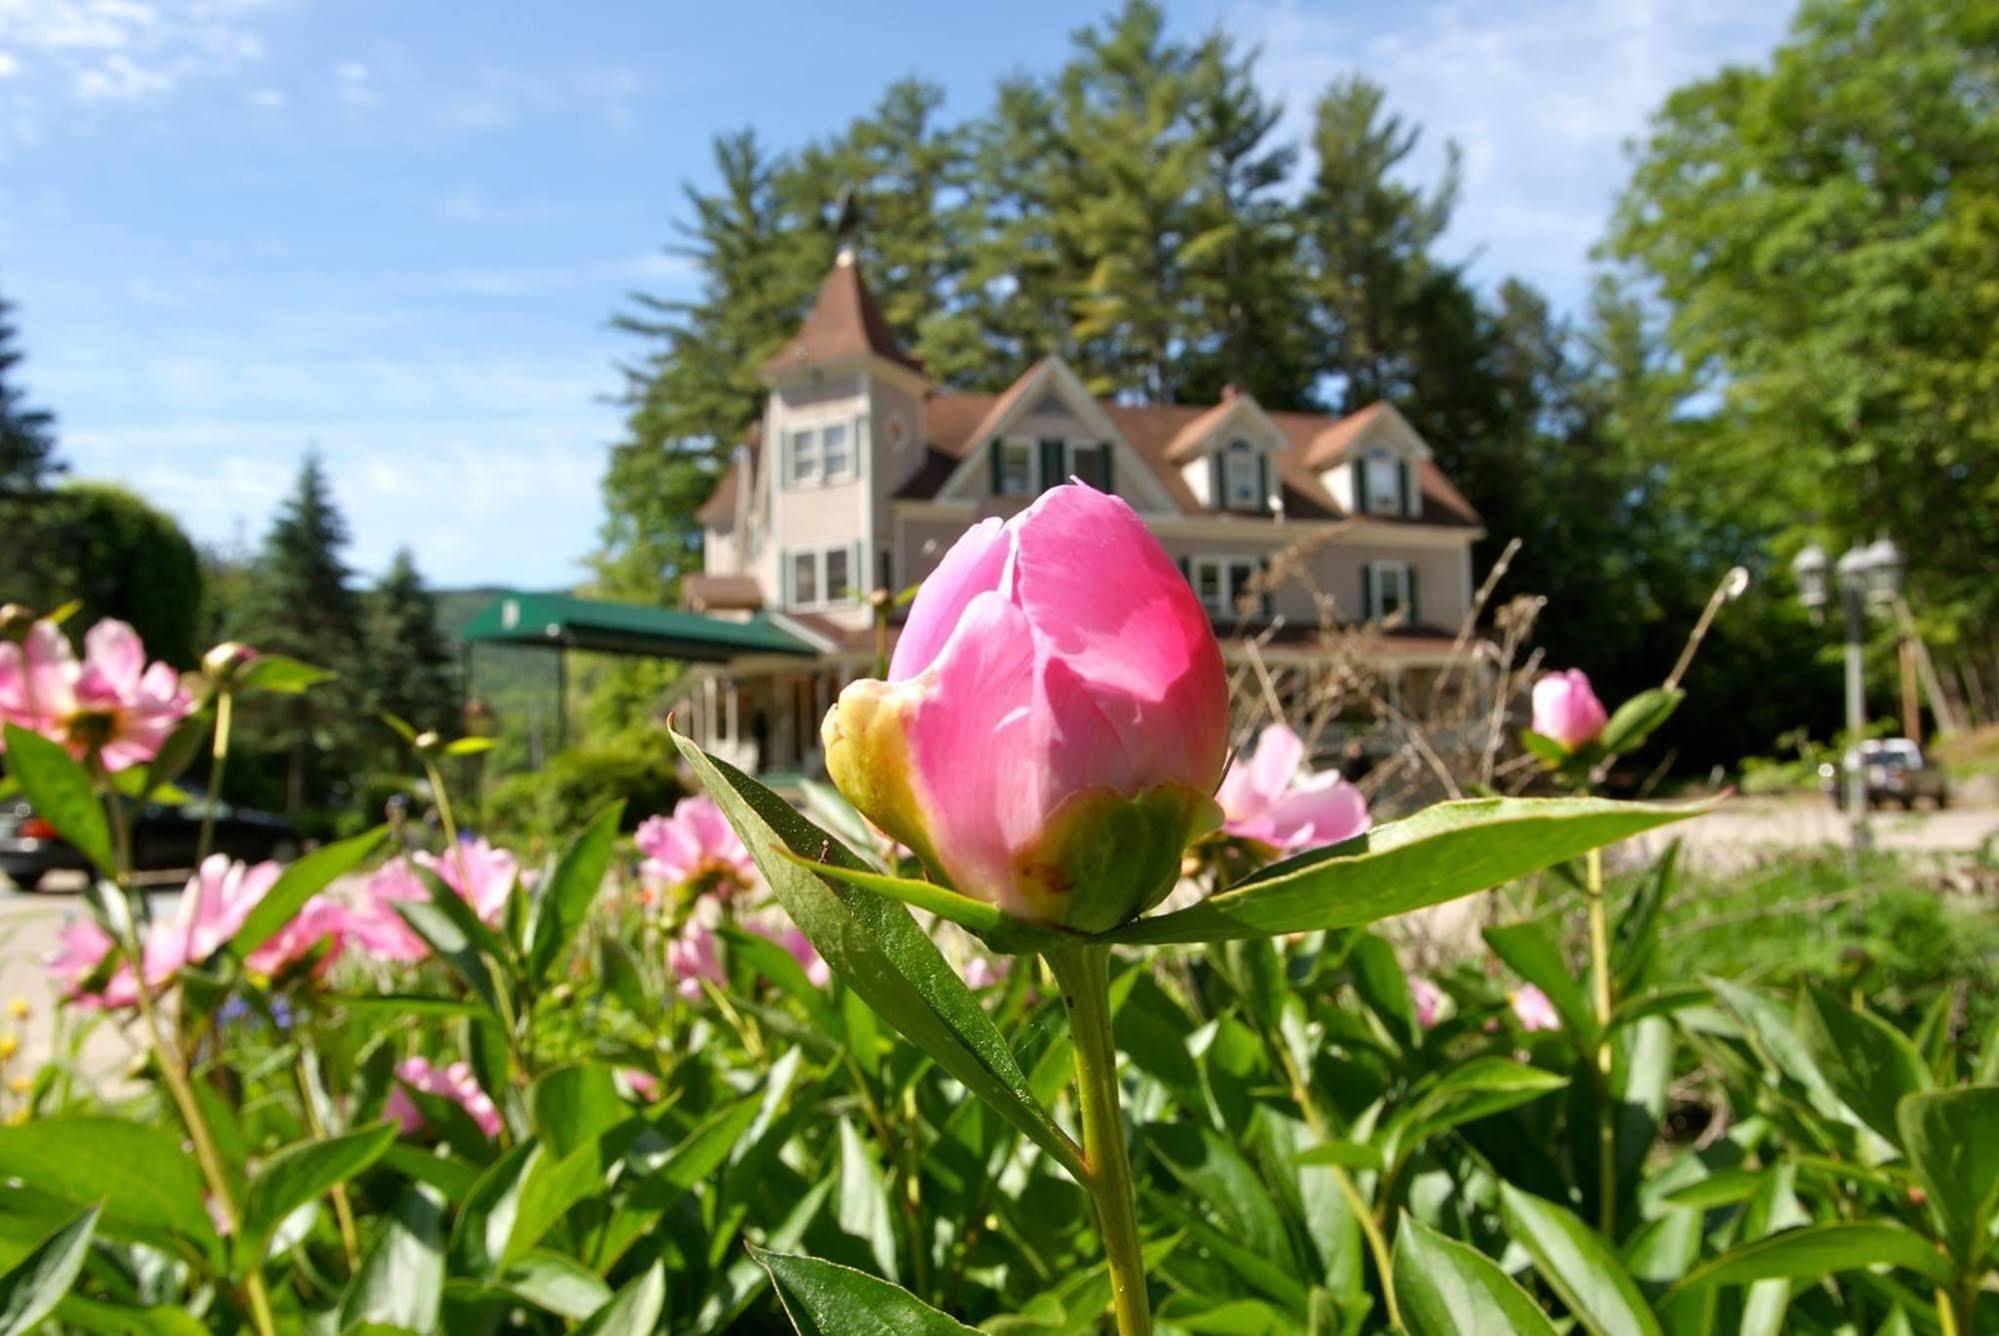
(839,580)
(1221,582)
(820,577)
(802,449)
(836,459)
(1390,589)
(1242,477)
(1381,475)
(804,578)
(1016,471)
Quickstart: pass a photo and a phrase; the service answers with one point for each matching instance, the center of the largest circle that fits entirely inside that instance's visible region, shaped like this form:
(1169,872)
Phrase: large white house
(862,473)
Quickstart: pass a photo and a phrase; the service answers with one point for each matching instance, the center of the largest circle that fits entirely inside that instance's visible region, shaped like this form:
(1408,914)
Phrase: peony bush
(1049,1015)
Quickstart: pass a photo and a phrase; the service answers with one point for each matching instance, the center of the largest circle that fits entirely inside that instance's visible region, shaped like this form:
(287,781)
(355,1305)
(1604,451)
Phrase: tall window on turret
(833,448)
(802,457)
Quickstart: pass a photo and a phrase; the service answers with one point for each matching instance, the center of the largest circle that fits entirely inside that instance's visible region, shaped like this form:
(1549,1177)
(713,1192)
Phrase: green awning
(559,621)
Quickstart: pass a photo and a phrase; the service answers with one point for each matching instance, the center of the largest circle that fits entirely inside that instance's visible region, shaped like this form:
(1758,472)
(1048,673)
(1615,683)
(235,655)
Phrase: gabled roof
(719,510)
(845,325)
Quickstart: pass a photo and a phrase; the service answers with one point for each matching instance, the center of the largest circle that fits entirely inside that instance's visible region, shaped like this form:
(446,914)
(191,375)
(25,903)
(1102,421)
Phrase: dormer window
(1242,477)
(1024,467)
(1382,477)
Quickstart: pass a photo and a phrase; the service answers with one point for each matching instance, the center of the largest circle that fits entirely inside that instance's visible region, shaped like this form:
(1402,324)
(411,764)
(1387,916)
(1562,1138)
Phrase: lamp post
(1868,576)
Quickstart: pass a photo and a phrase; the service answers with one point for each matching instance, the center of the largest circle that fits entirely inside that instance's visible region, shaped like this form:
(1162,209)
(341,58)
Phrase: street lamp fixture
(1868,576)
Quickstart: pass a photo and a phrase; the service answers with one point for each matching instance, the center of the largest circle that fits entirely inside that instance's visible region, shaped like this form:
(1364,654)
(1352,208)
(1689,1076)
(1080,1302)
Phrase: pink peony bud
(1274,800)
(1533,1010)
(1566,710)
(1429,1000)
(1055,718)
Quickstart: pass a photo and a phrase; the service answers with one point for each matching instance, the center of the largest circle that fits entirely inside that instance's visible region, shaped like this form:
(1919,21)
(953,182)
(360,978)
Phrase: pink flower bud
(1055,718)
(1428,999)
(1533,1010)
(1566,710)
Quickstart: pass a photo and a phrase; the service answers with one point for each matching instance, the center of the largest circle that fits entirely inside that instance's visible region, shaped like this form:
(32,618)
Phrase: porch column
(708,711)
(730,709)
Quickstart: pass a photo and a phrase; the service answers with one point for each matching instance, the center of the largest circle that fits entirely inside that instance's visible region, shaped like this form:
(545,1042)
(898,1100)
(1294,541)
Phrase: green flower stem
(1606,1126)
(1083,973)
(225,714)
(175,1075)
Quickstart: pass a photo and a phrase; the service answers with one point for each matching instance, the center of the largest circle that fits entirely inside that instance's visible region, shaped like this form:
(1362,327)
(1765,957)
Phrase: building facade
(862,473)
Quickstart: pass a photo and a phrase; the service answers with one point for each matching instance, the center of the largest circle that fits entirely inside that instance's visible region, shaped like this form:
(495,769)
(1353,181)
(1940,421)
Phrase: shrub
(578,783)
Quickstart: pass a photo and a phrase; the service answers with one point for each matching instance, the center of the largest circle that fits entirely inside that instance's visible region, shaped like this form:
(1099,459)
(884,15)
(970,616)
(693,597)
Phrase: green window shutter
(857,572)
(1366,593)
(1263,483)
(1359,470)
(1187,569)
(1263,583)
(1104,453)
(784,577)
(1216,496)
(994,453)
(1051,465)
(1405,487)
(860,447)
(1415,607)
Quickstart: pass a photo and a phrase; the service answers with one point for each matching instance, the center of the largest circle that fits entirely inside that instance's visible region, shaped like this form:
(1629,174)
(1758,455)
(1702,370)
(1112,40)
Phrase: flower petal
(972,566)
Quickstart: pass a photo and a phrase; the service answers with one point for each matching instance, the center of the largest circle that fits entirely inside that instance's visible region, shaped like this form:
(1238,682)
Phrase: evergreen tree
(408,669)
(27,435)
(299,600)
(30,568)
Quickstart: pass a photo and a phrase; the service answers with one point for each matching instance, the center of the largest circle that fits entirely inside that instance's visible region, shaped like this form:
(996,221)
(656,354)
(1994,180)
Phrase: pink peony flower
(984,971)
(454,1083)
(694,955)
(320,920)
(481,874)
(1055,718)
(644,1084)
(1567,710)
(695,846)
(1533,1010)
(777,926)
(1274,800)
(213,906)
(111,703)
(1429,1000)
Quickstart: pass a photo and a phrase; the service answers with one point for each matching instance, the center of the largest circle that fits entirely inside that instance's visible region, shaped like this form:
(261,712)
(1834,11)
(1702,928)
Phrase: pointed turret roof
(845,324)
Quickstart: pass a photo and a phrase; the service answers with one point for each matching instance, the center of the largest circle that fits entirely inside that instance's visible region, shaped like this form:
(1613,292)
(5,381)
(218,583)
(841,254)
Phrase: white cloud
(10,65)
(269,98)
(1540,96)
(352,84)
(501,98)
(119,78)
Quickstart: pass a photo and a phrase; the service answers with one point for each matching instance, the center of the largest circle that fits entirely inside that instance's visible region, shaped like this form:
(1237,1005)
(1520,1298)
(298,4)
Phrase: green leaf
(140,1174)
(1550,753)
(390,1005)
(1446,1288)
(455,935)
(1867,1061)
(635,1310)
(862,1208)
(1212,1173)
(555,1284)
(561,906)
(576,1104)
(175,754)
(1635,943)
(1532,952)
(469,746)
(303,1172)
(401,1281)
(1952,1140)
(1634,721)
(823,1299)
(398,725)
(280,675)
(1724,1188)
(1813,1251)
(1439,854)
(1381,983)
(1346,1154)
(1478,1088)
(878,950)
(34,1285)
(299,883)
(1578,1264)
(59,790)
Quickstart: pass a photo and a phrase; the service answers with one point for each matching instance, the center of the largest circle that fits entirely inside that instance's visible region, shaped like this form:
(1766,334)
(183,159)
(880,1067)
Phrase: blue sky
(396,230)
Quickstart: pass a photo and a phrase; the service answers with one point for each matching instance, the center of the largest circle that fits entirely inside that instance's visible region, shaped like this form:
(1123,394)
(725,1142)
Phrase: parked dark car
(1895,771)
(163,838)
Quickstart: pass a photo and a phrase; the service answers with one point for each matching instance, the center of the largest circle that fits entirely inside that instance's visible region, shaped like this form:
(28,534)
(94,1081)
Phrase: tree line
(1759,362)
(111,553)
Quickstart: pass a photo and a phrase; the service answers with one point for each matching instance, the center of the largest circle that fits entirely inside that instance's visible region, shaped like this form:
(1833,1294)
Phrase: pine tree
(299,600)
(27,435)
(408,669)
